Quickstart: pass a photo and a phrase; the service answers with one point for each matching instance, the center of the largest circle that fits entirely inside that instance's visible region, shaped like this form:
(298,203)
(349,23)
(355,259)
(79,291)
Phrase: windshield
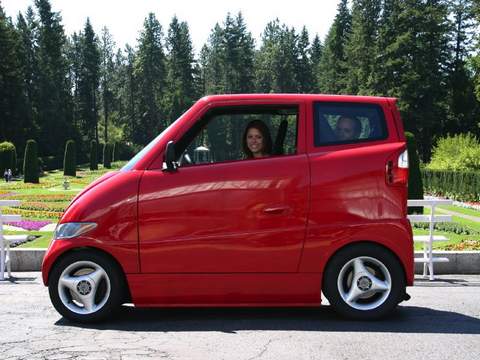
(129,166)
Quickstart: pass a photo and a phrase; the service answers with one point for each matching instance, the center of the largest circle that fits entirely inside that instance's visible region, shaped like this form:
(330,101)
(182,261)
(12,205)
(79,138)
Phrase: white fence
(429,258)
(6,240)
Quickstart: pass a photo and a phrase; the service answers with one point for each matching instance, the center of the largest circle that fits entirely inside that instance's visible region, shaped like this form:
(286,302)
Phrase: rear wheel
(364,282)
(85,286)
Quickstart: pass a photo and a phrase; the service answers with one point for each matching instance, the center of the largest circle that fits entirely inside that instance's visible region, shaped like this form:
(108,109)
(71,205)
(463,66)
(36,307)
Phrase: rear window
(345,123)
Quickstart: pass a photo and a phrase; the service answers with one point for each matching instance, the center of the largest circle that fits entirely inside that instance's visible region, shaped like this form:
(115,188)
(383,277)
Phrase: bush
(456,153)
(415,185)
(8,157)
(93,155)
(107,156)
(70,159)
(30,163)
(100,153)
(115,152)
(458,185)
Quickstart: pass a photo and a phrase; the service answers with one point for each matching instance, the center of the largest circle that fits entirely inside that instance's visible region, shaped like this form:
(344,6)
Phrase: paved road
(441,321)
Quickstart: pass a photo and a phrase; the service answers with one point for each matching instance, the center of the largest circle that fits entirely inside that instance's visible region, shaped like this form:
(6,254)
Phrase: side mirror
(170,164)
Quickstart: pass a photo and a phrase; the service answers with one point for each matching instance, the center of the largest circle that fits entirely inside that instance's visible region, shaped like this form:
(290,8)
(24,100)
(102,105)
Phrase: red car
(246,200)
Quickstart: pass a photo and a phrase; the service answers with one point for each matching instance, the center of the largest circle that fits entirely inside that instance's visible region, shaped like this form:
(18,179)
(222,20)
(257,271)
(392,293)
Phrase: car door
(226,215)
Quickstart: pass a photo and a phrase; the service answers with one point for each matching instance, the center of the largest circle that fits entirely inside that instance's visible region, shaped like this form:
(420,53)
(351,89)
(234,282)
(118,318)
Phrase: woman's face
(255,142)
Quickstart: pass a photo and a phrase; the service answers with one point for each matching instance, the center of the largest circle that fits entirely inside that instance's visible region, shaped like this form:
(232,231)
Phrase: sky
(124,19)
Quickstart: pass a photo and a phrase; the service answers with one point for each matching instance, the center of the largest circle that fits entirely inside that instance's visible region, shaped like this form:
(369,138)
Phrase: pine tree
(106,74)
(54,102)
(12,91)
(28,32)
(360,50)
(304,73)
(463,107)
(88,82)
(277,59)
(316,51)
(180,60)
(332,68)
(238,50)
(212,60)
(150,73)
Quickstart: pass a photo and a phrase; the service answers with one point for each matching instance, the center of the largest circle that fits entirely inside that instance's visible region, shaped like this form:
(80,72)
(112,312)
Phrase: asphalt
(441,321)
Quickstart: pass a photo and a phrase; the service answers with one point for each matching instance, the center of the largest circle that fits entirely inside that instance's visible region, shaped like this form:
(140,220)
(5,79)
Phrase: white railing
(6,240)
(428,258)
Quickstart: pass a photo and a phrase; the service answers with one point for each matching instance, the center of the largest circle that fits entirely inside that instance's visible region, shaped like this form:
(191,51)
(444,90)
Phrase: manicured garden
(43,203)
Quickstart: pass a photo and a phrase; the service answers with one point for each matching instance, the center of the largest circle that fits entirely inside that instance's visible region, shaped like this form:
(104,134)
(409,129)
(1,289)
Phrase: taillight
(397,170)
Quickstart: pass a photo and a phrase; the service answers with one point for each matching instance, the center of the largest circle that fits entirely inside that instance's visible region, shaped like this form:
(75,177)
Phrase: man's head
(348,128)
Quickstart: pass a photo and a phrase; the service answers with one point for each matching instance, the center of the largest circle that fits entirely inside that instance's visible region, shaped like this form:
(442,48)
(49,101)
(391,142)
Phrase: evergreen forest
(56,86)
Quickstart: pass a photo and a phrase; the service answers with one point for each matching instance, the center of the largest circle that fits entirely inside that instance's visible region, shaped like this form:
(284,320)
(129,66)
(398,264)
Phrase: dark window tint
(345,123)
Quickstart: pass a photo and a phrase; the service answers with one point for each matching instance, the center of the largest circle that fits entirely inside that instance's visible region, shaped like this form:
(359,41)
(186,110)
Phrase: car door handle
(275,210)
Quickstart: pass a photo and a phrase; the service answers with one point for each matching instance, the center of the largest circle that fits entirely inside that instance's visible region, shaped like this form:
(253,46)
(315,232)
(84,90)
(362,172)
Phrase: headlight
(71,230)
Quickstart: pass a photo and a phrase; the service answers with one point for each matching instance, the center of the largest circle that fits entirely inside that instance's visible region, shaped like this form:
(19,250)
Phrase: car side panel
(225,289)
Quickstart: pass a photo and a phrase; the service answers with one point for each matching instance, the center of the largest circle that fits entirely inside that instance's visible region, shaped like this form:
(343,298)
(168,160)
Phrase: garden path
(454,213)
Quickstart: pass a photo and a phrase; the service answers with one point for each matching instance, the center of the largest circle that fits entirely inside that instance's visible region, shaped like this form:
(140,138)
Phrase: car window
(344,123)
(218,136)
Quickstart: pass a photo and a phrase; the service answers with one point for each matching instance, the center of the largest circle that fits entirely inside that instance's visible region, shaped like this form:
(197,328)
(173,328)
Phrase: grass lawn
(456,241)
(47,200)
(41,242)
(461,210)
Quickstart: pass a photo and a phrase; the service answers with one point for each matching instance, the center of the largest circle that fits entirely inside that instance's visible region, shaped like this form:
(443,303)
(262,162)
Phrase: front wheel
(85,286)
(364,282)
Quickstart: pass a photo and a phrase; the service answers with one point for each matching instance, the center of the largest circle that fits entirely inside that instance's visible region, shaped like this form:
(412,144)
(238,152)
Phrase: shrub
(100,153)
(458,185)
(115,152)
(107,156)
(70,159)
(415,185)
(456,153)
(30,163)
(8,156)
(93,155)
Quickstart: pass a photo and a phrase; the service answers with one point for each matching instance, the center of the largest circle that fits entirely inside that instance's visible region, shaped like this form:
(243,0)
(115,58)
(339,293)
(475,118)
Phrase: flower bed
(35,214)
(43,206)
(29,225)
(44,197)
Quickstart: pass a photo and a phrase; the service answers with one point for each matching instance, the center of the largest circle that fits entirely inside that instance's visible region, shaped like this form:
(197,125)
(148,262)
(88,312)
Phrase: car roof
(296,97)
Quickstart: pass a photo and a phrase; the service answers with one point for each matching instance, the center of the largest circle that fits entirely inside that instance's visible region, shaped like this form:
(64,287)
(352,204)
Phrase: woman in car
(257,141)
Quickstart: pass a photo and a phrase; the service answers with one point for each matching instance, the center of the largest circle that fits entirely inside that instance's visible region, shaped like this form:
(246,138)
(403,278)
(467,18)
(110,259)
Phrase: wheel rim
(84,287)
(364,283)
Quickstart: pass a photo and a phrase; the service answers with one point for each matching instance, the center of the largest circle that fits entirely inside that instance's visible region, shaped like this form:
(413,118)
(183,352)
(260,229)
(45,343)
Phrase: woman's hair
(267,139)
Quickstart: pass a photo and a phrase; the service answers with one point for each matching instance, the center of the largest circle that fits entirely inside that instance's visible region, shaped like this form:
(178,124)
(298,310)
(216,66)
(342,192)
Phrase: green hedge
(70,159)
(107,156)
(93,155)
(30,163)
(457,185)
(415,186)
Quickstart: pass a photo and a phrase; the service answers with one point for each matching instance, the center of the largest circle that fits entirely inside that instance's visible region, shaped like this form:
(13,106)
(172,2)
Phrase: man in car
(348,128)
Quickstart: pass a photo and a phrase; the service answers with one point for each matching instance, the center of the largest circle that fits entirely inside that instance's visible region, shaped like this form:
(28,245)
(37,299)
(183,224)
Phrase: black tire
(74,269)
(369,301)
